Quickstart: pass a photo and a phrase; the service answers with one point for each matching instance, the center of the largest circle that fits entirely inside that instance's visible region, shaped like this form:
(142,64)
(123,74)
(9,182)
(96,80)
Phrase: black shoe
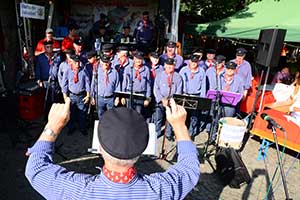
(170,138)
(84,132)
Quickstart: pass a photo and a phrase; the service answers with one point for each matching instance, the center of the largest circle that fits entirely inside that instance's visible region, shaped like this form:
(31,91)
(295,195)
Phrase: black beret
(139,55)
(198,50)
(105,58)
(123,133)
(220,58)
(122,48)
(211,51)
(170,61)
(146,13)
(171,44)
(195,58)
(91,54)
(154,54)
(48,42)
(75,57)
(231,65)
(78,41)
(107,47)
(241,52)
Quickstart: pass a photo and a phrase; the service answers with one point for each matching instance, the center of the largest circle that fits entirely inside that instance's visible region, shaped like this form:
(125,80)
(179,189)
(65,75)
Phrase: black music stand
(189,102)
(127,95)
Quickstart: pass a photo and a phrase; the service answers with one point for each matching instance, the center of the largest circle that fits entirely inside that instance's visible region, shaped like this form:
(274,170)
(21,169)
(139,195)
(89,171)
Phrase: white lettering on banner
(32,11)
(232,133)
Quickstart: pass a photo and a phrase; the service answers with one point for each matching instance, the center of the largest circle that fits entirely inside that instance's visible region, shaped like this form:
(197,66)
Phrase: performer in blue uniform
(194,84)
(76,85)
(166,83)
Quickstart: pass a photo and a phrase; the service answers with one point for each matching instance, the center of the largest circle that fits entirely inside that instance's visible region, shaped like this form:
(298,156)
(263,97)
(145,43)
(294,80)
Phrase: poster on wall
(32,11)
(119,13)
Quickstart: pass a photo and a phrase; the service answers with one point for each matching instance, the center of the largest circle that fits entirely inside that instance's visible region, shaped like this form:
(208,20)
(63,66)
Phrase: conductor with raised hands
(123,136)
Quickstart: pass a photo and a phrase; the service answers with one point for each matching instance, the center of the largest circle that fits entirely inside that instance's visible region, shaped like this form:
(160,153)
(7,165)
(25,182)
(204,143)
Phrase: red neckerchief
(119,177)
(193,73)
(121,64)
(95,66)
(106,81)
(169,81)
(210,63)
(228,81)
(75,78)
(153,74)
(137,72)
(237,66)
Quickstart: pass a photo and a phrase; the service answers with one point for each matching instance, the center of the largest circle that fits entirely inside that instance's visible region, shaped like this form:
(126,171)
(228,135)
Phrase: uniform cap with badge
(241,52)
(171,44)
(170,61)
(195,58)
(231,65)
(139,55)
(78,41)
(220,58)
(154,54)
(75,57)
(91,54)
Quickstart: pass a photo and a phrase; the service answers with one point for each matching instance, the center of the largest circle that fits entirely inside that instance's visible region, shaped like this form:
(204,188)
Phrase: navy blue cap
(107,47)
(170,61)
(231,65)
(48,42)
(241,52)
(154,54)
(171,44)
(122,48)
(211,51)
(126,26)
(220,58)
(75,57)
(91,54)
(195,58)
(78,41)
(139,55)
(123,133)
(198,50)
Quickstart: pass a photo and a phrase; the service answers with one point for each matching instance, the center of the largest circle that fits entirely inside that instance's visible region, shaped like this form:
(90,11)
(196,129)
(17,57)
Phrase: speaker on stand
(269,47)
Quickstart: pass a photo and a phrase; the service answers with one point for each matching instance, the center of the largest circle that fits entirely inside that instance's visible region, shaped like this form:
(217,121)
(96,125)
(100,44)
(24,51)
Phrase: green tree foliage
(211,10)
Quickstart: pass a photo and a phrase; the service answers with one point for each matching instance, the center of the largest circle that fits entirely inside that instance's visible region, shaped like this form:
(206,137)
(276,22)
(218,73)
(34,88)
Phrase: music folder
(192,102)
(230,98)
(126,95)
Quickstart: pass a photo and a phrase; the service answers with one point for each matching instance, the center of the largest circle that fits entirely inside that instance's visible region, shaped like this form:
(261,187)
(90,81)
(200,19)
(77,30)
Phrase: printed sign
(32,11)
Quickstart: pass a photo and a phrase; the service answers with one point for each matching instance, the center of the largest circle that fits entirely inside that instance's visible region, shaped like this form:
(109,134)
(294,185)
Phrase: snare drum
(231,132)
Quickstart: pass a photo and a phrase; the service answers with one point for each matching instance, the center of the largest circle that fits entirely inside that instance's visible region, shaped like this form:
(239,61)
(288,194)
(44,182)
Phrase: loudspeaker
(269,47)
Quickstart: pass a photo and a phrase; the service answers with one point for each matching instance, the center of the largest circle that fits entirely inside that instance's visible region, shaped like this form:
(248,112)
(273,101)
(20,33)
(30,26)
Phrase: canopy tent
(247,23)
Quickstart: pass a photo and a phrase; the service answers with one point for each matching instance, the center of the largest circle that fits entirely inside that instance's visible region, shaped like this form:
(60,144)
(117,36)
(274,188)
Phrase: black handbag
(230,167)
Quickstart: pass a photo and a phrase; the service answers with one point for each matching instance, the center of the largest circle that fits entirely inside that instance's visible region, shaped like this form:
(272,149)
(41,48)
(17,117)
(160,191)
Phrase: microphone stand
(283,178)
